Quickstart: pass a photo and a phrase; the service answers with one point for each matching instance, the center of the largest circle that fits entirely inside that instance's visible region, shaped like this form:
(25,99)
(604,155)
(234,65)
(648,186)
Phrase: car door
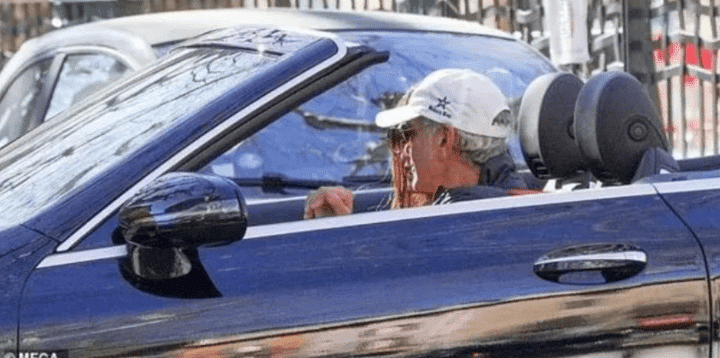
(506,277)
(57,69)
(694,197)
(621,276)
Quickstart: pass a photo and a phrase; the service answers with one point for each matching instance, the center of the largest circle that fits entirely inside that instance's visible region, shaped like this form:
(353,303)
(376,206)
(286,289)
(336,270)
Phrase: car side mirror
(178,212)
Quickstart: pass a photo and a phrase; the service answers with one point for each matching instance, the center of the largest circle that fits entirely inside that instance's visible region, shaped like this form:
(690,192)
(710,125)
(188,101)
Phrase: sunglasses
(401,135)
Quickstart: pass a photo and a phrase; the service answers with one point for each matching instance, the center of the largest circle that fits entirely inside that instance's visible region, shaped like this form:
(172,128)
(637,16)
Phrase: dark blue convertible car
(162,217)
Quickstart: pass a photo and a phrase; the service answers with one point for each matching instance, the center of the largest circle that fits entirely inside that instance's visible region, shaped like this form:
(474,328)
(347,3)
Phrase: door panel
(698,204)
(452,280)
(22,249)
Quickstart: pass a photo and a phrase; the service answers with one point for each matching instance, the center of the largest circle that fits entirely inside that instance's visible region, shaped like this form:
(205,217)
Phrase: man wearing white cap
(447,138)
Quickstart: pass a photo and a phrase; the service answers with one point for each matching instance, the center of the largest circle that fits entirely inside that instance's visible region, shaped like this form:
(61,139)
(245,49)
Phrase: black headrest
(615,123)
(545,121)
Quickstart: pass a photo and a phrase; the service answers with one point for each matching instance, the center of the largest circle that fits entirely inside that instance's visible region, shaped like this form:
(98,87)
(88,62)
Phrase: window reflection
(84,141)
(18,103)
(81,75)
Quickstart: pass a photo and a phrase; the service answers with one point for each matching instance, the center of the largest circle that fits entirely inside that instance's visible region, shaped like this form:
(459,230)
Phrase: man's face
(415,150)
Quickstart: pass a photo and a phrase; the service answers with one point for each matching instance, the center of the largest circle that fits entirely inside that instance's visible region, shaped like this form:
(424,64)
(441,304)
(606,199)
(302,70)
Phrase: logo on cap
(440,107)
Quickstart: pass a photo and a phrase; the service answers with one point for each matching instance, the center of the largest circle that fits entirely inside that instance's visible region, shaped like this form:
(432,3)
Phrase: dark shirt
(475,192)
(498,175)
(499,171)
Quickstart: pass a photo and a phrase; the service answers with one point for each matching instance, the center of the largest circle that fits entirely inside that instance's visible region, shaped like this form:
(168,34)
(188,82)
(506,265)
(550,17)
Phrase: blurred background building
(669,45)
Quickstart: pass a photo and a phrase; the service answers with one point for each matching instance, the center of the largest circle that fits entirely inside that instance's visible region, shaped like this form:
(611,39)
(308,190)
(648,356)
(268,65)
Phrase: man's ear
(448,139)
(451,136)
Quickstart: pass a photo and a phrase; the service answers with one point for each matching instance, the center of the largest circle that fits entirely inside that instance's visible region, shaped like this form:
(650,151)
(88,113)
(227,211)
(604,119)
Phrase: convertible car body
(145,221)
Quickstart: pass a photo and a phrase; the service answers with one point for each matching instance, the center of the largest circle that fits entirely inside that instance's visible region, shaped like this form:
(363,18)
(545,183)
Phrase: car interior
(569,129)
(584,135)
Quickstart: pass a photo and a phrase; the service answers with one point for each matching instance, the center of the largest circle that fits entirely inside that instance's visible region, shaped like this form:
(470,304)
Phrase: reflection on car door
(455,280)
(696,202)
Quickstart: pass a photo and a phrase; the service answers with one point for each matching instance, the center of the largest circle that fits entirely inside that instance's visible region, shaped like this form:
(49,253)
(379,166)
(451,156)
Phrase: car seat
(616,124)
(545,124)
(604,127)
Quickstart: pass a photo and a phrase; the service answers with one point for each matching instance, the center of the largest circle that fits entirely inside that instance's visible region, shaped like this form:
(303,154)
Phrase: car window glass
(333,138)
(294,150)
(67,153)
(511,64)
(82,75)
(18,102)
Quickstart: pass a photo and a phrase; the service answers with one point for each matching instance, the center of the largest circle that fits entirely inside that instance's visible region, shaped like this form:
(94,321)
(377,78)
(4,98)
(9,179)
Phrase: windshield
(512,65)
(69,150)
(333,137)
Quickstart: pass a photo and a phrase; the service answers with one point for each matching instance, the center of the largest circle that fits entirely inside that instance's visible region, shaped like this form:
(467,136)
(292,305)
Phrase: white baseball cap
(460,98)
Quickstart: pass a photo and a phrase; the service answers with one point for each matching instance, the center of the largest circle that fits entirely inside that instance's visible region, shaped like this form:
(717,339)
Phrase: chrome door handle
(593,263)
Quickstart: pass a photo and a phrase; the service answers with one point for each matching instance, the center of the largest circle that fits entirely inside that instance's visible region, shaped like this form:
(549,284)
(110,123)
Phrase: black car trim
(202,141)
(483,205)
(261,201)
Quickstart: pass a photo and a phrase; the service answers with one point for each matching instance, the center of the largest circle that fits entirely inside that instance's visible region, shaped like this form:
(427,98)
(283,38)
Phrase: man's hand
(329,201)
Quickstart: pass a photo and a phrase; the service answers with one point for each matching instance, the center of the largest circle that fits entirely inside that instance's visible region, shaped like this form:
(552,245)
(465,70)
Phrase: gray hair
(478,148)
(475,148)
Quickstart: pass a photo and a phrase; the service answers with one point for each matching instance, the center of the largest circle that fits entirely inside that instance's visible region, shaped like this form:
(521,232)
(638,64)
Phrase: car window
(511,64)
(134,128)
(17,104)
(65,154)
(333,138)
(81,75)
(293,150)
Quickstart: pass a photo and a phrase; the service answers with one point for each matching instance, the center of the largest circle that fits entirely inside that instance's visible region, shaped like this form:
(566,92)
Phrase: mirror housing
(184,210)
(175,214)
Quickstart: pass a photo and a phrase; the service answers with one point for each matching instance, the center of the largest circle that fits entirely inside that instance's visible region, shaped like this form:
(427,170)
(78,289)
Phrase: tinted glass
(333,136)
(18,103)
(80,76)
